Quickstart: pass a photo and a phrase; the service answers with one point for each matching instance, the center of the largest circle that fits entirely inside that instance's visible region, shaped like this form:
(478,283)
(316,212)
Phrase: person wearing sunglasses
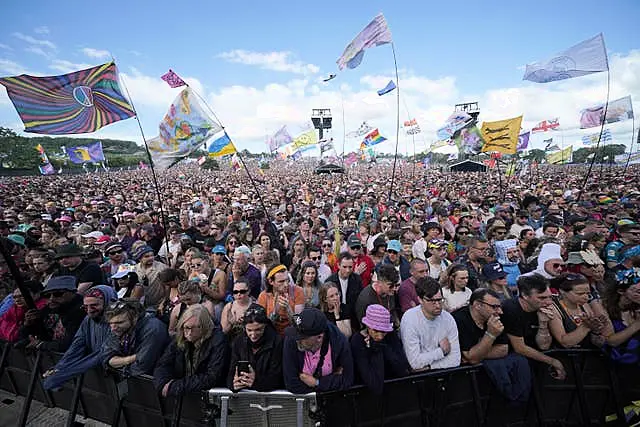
(429,333)
(629,235)
(53,327)
(234,311)
(550,262)
(117,256)
(395,258)
(256,354)
(84,351)
(195,358)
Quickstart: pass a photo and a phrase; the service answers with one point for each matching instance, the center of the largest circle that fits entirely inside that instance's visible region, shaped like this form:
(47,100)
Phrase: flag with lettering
(501,135)
(594,137)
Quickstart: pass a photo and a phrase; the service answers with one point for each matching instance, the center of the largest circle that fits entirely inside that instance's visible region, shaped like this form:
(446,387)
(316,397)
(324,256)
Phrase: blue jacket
(405,266)
(84,351)
(293,362)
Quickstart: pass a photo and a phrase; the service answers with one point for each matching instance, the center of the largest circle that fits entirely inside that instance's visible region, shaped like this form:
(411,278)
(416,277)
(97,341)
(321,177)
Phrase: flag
(329,77)
(523,141)
(388,88)
(502,135)
(454,123)
(351,159)
(78,102)
(375,34)
(202,160)
(307,138)
(546,125)
(560,157)
(361,131)
(47,169)
(469,140)
(235,161)
(372,138)
(326,145)
(86,153)
(412,127)
(585,58)
(617,111)
(593,138)
(426,161)
(279,139)
(511,169)
(40,148)
(183,130)
(173,79)
(222,146)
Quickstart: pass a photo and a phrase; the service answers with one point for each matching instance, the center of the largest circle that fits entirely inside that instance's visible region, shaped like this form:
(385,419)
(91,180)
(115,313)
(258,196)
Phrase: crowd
(311,282)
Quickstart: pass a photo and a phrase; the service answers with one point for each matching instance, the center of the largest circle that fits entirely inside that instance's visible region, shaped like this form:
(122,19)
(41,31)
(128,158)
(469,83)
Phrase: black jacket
(354,287)
(71,316)
(209,372)
(266,362)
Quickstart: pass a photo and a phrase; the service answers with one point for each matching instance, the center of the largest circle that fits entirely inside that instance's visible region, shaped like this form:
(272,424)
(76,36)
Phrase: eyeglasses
(56,294)
(115,252)
(492,306)
(315,258)
(326,245)
(392,252)
(240,291)
(434,300)
(356,248)
(557,266)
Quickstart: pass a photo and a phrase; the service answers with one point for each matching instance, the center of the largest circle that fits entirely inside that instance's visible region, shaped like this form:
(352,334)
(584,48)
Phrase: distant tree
(535,154)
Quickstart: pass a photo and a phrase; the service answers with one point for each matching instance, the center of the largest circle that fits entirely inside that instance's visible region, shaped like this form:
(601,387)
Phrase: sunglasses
(356,248)
(326,245)
(315,258)
(240,291)
(233,242)
(391,251)
(116,252)
(256,311)
(557,266)
(56,294)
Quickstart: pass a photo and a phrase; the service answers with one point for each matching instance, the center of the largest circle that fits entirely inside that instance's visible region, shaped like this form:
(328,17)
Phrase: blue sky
(260,64)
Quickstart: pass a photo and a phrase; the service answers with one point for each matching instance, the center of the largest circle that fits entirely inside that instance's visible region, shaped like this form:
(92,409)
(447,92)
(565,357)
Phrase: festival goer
(349,283)
(126,284)
(437,262)
(12,320)
(324,271)
(196,357)
(233,313)
(407,295)
(281,298)
(362,264)
(71,264)
(333,309)
(316,356)
(309,283)
(477,255)
(381,291)
(550,262)
(395,258)
(189,293)
(148,270)
(241,267)
(496,280)
(429,334)
(455,292)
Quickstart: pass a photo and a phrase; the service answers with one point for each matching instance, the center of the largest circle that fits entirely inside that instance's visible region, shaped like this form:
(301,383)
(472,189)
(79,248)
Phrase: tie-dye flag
(173,79)
(78,102)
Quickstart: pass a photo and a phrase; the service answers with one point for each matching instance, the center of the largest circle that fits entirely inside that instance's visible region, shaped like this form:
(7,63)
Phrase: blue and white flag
(587,57)
(388,88)
(593,138)
(375,34)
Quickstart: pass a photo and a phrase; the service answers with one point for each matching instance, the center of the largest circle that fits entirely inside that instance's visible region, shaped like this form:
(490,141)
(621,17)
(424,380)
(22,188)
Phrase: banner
(361,131)
(560,157)
(279,139)
(86,153)
(502,135)
(307,138)
(412,127)
(617,111)
(372,138)
(546,125)
(454,123)
(593,138)
(469,140)
(523,141)
(375,34)
(222,146)
(634,159)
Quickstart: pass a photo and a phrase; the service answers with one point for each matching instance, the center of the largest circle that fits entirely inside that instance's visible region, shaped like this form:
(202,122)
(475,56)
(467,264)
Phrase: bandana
(94,293)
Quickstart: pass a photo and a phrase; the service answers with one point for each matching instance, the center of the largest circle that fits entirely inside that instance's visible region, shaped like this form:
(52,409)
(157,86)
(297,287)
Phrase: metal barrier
(458,396)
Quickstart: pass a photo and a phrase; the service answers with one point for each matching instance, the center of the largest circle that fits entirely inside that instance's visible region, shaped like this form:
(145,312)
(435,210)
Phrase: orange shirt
(268,301)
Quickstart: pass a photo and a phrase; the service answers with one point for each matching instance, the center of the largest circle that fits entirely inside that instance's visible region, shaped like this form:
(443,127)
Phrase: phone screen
(243,366)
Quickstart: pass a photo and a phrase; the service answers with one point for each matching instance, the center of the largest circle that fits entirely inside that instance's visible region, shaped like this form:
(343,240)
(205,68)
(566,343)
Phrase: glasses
(240,291)
(256,311)
(384,220)
(356,248)
(233,242)
(190,328)
(492,306)
(326,245)
(314,258)
(557,266)
(352,218)
(56,294)
(196,265)
(392,252)
(434,300)
(116,252)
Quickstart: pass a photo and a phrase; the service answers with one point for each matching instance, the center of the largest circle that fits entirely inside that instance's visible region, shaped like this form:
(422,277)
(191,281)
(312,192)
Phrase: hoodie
(509,267)
(84,351)
(548,251)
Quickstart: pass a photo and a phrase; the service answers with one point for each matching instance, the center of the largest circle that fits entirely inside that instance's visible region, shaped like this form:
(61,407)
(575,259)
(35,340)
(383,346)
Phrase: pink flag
(173,79)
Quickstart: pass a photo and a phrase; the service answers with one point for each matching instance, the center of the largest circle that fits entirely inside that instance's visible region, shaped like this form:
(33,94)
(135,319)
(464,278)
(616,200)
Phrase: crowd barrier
(594,389)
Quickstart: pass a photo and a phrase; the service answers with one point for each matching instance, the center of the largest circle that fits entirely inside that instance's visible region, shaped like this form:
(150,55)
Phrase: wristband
(317,382)
(493,337)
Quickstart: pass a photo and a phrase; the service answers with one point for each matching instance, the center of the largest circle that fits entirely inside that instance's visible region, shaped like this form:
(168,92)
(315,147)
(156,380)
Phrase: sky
(260,65)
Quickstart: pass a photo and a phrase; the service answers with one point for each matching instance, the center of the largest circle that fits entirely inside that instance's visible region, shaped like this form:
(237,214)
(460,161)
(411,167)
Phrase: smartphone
(243,366)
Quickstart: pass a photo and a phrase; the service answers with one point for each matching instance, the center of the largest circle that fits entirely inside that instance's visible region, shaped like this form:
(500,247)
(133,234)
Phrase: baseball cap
(394,245)
(309,323)
(493,271)
(354,241)
(218,249)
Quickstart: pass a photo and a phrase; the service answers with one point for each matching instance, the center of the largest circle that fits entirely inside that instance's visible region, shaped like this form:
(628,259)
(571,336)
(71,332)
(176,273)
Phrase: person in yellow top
(281,299)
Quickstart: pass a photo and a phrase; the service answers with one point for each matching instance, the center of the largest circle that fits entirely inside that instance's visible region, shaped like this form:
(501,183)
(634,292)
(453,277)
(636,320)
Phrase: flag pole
(395,156)
(255,186)
(633,129)
(153,171)
(604,117)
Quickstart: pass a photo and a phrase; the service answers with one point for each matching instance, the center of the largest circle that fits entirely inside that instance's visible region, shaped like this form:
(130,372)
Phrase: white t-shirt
(455,300)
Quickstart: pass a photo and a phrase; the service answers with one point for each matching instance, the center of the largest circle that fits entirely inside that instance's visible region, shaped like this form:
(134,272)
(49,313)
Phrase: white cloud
(41,30)
(12,68)
(33,40)
(38,51)
(276,61)
(5,47)
(96,53)
(65,66)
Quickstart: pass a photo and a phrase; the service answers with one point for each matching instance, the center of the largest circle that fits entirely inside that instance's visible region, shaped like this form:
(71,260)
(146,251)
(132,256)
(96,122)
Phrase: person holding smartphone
(256,355)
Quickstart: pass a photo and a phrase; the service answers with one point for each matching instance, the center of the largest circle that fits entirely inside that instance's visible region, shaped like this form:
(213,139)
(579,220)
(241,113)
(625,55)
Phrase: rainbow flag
(372,138)
(78,102)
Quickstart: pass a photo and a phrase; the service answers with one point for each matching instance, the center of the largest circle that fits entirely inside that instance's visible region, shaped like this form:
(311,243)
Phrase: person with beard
(71,263)
(84,351)
(148,270)
(377,350)
(195,360)
(136,340)
(474,259)
(260,347)
(54,327)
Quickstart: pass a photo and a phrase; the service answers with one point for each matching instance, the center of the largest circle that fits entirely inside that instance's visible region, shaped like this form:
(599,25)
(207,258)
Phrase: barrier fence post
(582,398)
(224,410)
(177,411)
(73,410)
(26,405)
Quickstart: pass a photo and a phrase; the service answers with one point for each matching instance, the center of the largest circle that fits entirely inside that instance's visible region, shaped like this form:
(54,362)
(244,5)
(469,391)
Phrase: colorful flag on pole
(617,111)
(469,140)
(375,34)
(372,138)
(78,102)
(587,57)
(361,131)
(454,123)
(351,159)
(502,135)
(279,139)
(307,138)
(47,169)
(184,129)
(326,145)
(523,141)
(235,161)
(388,88)
(173,79)
(546,125)
(222,146)
(593,138)
(412,127)
(86,153)
(560,157)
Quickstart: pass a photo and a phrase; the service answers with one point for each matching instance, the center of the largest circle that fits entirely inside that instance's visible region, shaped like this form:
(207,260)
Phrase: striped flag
(593,138)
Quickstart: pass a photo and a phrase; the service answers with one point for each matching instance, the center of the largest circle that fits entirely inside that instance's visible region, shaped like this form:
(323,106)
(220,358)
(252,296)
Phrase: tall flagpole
(395,157)
(633,129)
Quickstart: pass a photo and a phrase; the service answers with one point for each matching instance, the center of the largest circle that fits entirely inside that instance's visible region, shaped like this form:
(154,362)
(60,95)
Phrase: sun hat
(378,318)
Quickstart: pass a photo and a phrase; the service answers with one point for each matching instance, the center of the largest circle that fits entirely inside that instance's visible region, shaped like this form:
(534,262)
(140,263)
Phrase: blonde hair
(205,323)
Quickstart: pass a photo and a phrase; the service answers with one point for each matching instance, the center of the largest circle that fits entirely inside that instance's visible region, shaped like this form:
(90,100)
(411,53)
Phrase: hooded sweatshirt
(548,251)
(84,351)
(509,267)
